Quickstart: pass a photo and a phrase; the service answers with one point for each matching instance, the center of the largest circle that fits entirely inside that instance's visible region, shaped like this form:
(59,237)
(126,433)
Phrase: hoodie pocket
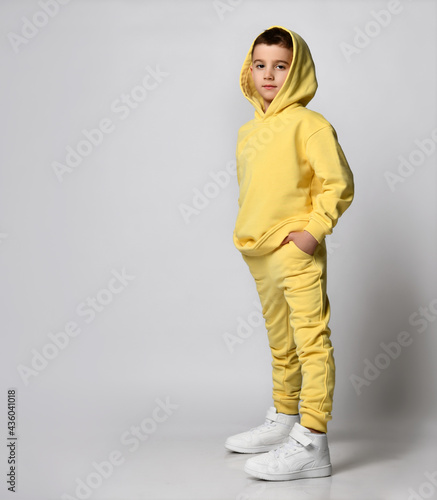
(299,251)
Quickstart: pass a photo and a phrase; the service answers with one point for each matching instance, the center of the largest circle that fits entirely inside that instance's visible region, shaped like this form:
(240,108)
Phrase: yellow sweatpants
(292,288)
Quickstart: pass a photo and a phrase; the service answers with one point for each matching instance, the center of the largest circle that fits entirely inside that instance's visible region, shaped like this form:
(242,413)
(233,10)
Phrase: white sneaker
(305,455)
(268,436)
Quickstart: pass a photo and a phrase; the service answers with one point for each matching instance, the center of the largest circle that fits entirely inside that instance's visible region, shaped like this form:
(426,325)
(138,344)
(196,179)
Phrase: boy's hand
(303,240)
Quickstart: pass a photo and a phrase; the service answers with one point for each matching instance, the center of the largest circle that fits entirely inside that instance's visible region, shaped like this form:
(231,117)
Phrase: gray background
(163,336)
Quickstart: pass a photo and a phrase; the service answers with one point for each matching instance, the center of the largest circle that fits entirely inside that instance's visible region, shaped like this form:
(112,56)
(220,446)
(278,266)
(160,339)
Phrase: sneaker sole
(259,449)
(324,471)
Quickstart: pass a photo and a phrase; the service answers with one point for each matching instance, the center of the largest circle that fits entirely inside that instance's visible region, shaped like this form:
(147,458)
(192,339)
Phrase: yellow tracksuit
(293,176)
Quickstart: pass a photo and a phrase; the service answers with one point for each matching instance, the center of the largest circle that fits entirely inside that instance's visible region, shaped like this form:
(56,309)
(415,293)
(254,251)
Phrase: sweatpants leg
(292,289)
(286,373)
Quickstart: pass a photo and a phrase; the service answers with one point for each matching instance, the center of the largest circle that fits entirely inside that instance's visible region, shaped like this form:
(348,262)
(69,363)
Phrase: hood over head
(299,87)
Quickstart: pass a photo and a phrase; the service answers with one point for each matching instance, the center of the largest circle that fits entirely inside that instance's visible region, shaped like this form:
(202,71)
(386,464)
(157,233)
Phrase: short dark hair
(274,36)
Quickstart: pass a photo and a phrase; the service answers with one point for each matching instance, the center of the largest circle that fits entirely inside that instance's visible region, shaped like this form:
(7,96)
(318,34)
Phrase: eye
(258,65)
(281,66)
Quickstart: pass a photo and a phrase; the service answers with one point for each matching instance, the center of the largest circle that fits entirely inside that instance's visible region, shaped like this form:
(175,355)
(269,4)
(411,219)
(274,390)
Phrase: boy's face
(269,68)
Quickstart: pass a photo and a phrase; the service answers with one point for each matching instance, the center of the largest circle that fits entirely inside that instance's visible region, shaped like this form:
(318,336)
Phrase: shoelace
(290,445)
(267,423)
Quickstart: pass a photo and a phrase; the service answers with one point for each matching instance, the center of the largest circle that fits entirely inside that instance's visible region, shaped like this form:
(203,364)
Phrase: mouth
(269,86)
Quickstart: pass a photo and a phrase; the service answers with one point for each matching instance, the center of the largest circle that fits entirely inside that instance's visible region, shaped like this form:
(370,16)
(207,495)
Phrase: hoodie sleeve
(332,170)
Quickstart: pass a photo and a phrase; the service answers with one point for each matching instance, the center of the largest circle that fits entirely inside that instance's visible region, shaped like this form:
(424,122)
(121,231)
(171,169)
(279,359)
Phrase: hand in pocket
(303,240)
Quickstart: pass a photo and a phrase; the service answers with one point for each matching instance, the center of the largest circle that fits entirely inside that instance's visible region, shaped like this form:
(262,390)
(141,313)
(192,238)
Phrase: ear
(251,69)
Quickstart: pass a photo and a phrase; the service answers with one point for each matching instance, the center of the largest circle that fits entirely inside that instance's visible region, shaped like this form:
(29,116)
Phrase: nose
(268,74)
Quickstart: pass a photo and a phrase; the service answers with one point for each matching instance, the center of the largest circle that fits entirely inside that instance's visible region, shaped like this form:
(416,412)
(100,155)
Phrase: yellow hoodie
(291,170)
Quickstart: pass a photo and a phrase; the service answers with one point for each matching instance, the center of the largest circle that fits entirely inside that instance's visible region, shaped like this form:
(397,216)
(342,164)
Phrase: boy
(295,183)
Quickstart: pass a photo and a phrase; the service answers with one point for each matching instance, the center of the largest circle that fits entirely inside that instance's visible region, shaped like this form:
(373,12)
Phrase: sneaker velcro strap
(299,436)
(271,414)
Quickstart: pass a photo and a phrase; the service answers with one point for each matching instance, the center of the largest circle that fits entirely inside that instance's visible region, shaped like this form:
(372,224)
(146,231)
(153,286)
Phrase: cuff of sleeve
(316,230)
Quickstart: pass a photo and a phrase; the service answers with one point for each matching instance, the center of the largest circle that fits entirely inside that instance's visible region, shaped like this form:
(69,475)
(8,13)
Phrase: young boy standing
(295,183)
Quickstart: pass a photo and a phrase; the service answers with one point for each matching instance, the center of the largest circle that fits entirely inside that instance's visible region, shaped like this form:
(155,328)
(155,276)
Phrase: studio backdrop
(123,297)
